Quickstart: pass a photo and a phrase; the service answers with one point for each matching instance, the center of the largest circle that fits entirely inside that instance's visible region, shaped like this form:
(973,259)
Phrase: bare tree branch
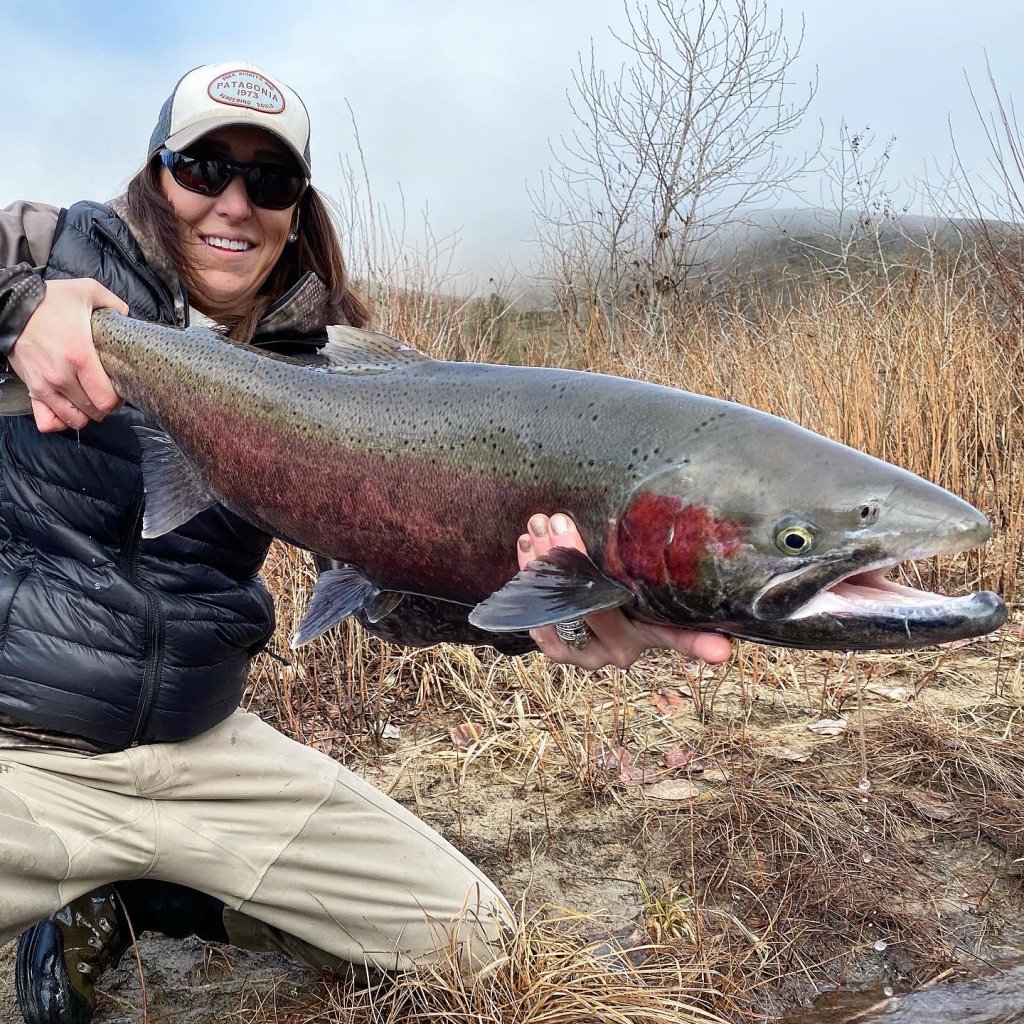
(671,150)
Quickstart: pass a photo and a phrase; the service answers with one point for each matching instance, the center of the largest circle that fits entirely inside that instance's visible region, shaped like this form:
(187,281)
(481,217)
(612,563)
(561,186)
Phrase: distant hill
(781,249)
(794,245)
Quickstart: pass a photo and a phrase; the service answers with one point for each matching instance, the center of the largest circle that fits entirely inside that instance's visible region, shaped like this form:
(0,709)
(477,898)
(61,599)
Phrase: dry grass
(548,973)
(777,873)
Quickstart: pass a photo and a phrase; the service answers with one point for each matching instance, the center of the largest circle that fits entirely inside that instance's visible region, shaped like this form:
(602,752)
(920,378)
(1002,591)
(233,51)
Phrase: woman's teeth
(236,245)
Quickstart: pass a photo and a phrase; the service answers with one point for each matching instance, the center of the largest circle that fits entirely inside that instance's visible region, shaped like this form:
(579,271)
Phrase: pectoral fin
(339,593)
(564,584)
(175,492)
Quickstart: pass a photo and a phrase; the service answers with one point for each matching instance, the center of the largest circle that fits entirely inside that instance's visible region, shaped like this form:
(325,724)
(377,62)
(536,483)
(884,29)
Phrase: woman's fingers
(47,421)
(616,639)
(56,359)
(692,643)
(93,388)
(99,297)
(543,534)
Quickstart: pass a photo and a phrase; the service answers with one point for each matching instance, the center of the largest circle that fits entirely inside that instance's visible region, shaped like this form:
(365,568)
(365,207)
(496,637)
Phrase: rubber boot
(60,958)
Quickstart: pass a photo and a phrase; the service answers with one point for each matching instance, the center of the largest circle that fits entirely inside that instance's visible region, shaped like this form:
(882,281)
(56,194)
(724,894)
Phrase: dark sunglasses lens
(206,175)
(270,186)
(273,189)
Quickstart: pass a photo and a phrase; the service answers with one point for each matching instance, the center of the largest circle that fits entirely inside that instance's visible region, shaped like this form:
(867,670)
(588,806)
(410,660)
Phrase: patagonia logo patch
(247,89)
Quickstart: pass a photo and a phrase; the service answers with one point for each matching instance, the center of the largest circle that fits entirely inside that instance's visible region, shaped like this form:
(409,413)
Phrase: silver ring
(575,632)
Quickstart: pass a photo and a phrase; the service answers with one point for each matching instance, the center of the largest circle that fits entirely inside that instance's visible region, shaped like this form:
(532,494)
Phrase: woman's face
(232,244)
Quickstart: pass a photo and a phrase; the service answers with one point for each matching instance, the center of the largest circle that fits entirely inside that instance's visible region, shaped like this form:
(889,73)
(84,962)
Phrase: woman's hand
(56,359)
(617,640)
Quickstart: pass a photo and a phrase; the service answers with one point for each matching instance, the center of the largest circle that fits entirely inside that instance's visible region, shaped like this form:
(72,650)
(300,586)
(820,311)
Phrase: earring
(293,238)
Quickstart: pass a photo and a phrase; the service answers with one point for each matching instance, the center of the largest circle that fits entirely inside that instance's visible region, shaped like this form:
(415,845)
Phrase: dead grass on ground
(548,971)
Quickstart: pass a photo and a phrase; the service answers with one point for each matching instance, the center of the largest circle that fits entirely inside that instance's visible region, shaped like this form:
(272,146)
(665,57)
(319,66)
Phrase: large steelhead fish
(416,476)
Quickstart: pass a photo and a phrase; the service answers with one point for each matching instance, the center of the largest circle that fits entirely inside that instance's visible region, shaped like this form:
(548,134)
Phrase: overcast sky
(456,101)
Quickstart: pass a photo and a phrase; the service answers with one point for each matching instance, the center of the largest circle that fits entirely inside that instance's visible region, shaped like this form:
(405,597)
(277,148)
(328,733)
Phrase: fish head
(797,551)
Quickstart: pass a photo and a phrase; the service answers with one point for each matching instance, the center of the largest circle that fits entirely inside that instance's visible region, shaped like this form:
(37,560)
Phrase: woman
(123,753)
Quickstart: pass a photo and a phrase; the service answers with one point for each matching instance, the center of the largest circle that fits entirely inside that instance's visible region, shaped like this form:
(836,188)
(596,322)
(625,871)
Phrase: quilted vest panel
(104,635)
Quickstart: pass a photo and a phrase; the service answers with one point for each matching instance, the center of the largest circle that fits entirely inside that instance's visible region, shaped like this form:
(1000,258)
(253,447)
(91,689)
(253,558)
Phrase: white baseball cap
(235,92)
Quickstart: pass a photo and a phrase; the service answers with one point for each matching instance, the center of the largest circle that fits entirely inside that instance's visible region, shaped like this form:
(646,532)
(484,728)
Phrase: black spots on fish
(639,466)
(708,422)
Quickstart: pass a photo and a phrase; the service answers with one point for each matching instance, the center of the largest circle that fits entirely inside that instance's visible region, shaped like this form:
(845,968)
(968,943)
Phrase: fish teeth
(234,244)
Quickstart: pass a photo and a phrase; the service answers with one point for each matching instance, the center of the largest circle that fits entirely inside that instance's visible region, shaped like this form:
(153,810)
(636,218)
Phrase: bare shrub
(667,153)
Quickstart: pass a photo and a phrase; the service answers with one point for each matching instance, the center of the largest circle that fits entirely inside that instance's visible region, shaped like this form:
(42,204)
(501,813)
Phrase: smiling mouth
(227,244)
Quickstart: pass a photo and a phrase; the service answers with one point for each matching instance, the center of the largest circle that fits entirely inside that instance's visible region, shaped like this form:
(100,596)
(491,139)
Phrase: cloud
(456,100)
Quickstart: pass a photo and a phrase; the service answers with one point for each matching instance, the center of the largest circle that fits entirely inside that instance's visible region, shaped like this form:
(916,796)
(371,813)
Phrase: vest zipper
(155,626)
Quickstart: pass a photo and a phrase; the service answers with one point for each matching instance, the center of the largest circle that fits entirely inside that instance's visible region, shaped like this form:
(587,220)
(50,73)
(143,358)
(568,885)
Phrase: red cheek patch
(646,553)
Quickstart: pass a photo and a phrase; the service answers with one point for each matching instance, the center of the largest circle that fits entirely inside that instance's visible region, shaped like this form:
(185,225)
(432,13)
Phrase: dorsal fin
(356,351)
(197,319)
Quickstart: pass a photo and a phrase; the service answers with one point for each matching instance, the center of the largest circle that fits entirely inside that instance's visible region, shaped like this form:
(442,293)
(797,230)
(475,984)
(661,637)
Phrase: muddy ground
(590,834)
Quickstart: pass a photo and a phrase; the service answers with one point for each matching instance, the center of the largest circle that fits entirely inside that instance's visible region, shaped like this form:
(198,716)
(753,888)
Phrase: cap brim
(183,139)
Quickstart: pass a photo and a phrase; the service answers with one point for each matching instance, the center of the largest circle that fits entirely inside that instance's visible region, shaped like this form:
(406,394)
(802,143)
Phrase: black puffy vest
(102,634)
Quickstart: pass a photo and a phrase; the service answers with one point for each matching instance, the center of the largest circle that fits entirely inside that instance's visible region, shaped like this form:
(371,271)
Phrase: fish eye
(794,539)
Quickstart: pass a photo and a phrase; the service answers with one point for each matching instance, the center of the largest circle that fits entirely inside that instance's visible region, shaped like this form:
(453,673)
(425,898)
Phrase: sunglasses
(271,186)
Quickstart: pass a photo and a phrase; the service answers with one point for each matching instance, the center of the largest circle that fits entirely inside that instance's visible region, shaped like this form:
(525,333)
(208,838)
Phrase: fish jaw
(867,610)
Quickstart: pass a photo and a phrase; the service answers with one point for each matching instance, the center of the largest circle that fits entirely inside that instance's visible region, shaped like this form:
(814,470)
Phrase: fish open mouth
(867,609)
(871,592)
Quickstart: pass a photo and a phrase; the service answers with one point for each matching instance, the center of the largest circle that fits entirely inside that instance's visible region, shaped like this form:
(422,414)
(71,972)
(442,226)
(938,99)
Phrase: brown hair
(317,249)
